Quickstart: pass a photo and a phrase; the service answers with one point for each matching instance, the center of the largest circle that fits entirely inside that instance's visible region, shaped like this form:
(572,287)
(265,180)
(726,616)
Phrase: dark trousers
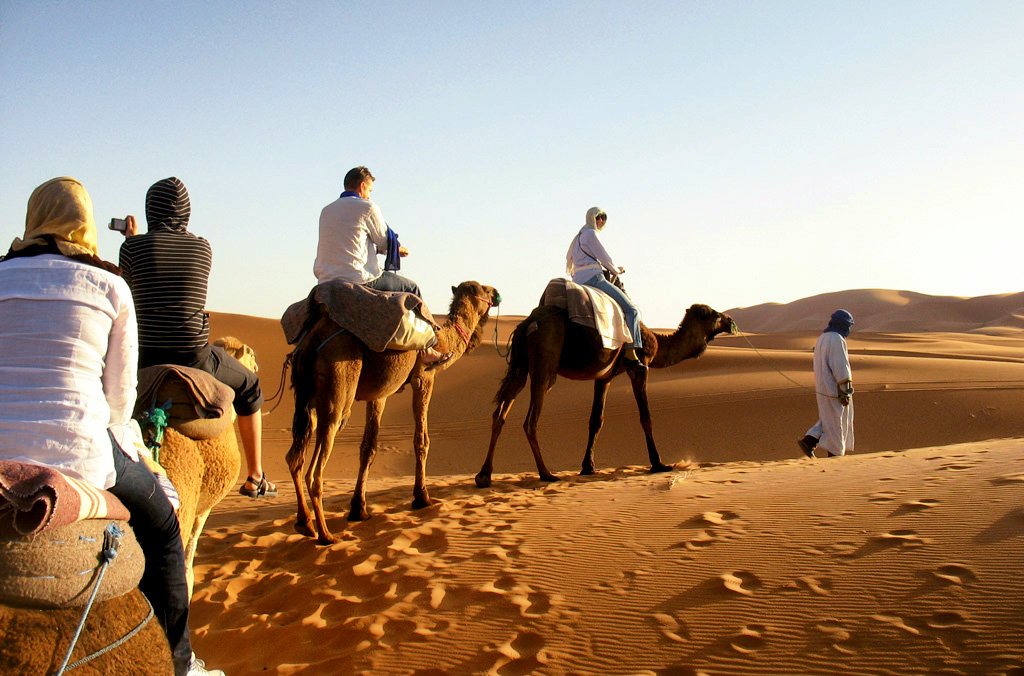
(156,528)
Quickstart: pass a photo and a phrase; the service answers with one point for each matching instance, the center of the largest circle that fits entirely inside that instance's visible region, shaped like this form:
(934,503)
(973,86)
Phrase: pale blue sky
(746,152)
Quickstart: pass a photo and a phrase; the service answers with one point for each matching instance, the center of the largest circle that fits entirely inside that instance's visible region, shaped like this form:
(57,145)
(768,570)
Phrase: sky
(746,152)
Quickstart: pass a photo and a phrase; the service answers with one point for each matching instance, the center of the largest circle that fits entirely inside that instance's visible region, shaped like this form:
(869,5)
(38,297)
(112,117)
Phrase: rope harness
(111,541)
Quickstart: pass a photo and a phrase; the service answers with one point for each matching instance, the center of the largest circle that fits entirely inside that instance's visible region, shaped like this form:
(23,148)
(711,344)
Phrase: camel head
(240,351)
(711,322)
(479,298)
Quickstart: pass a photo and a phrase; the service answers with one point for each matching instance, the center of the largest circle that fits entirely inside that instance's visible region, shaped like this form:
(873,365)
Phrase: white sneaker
(197,667)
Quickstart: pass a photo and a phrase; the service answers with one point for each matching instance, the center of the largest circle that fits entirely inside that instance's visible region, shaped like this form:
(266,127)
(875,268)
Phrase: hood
(592,214)
(840,323)
(168,205)
(60,210)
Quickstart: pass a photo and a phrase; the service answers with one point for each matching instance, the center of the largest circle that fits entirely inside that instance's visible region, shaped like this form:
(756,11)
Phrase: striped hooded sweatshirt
(168,269)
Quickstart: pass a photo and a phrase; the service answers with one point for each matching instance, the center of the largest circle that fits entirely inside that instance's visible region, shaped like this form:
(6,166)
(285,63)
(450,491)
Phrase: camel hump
(45,570)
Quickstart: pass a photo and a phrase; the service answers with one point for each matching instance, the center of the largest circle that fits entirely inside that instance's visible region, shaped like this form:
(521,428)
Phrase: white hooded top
(586,256)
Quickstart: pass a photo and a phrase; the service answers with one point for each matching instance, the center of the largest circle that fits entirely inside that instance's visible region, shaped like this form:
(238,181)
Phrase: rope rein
(508,344)
(775,368)
(111,541)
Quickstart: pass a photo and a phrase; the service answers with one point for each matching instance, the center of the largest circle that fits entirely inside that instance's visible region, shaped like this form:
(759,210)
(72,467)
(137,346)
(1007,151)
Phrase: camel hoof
(483,480)
(661,467)
(305,528)
(587,470)
(420,504)
(327,540)
(359,515)
(549,477)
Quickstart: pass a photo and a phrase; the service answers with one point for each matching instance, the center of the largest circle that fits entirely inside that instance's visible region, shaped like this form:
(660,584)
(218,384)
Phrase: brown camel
(332,369)
(546,345)
(202,460)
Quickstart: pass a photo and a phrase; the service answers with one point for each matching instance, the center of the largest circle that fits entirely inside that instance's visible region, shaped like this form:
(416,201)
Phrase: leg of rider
(156,528)
(248,401)
(392,281)
(632,314)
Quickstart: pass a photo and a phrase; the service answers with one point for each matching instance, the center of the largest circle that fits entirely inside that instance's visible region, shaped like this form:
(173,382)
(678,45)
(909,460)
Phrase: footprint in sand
(524,654)
(749,639)
(902,538)
(671,628)
(954,573)
(837,636)
(883,496)
(741,582)
(717,518)
(1009,479)
(912,506)
(816,586)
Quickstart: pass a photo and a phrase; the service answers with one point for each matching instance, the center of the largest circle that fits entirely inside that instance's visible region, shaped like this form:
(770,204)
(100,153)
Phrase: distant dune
(889,311)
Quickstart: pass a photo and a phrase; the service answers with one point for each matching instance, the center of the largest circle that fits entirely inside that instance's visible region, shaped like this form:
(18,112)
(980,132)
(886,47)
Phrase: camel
(546,345)
(203,467)
(332,369)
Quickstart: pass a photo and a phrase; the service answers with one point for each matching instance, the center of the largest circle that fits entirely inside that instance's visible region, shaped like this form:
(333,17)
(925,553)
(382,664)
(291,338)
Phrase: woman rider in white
(585,261)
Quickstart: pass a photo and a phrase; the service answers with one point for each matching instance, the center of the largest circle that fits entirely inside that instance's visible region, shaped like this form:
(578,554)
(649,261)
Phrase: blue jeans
(392,281)
(156,528)
(628,309)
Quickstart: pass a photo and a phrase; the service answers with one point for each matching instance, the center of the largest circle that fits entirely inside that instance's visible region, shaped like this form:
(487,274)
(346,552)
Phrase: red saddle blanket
(36,498)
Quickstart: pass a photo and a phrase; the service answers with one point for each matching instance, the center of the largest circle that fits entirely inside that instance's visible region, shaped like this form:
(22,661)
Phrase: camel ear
(454,289)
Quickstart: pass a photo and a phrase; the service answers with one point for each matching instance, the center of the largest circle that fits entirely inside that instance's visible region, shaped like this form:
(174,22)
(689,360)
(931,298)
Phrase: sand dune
(883,310)
(749,558)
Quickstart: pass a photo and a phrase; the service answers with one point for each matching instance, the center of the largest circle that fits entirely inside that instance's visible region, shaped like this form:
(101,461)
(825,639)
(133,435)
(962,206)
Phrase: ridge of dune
(887,310)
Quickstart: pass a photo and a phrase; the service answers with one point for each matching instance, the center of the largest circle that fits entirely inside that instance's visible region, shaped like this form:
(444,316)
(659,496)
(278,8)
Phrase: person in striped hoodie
(168,270)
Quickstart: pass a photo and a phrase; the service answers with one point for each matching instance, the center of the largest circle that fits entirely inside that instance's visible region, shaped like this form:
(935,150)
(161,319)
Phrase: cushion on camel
(199,404)
(58,567)
(382,320)
(589,307)
(35,498)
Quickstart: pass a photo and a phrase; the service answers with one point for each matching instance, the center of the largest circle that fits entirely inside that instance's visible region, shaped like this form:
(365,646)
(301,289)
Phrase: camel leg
(421,442)
(367,451)
(330,421)
(639,381)
(483,477)
(596,422)
(296,458)
(540,383)
(190,549)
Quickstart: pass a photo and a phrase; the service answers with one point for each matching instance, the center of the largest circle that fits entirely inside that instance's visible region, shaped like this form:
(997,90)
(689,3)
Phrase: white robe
(834,428)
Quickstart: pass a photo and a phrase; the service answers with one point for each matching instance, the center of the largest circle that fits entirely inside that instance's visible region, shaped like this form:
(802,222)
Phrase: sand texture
(901,558)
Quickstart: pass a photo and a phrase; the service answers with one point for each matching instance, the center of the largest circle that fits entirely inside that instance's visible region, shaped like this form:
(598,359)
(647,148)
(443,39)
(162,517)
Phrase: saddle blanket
(589,307)
(382,320)
(35,498)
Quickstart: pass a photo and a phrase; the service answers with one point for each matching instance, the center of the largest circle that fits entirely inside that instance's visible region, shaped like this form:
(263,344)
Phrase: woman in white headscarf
(68,361)
(585,262)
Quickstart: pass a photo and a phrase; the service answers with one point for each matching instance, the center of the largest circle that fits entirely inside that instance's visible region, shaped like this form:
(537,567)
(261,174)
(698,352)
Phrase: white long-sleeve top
(586,256)
(831,363)
(68,360)
(352,233)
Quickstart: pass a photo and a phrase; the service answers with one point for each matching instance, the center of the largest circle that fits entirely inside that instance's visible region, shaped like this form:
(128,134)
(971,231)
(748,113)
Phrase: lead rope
(775,368)
(279,395)
(111,541)
(508,345)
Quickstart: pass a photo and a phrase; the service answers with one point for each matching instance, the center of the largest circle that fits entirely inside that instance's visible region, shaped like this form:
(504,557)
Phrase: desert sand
(902,557)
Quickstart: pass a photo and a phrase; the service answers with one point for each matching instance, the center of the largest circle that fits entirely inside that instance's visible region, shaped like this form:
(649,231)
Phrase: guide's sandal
(258,488)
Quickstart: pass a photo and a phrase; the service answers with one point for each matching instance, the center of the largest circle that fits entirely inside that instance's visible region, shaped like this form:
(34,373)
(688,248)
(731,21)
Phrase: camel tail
(302,385)
(518,366)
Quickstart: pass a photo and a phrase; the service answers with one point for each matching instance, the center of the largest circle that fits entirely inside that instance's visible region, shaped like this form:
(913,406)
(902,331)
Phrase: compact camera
(119,224)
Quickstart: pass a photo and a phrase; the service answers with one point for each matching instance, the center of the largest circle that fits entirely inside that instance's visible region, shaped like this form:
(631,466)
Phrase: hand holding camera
(126,226)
